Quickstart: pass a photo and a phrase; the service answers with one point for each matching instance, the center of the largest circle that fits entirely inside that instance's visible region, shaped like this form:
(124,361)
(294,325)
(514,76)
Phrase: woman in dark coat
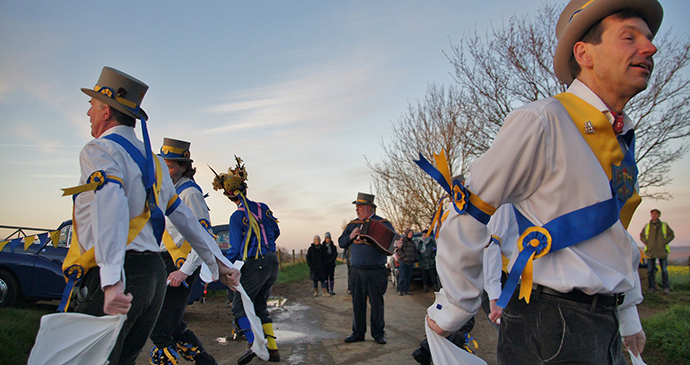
(316,259)
(331,257)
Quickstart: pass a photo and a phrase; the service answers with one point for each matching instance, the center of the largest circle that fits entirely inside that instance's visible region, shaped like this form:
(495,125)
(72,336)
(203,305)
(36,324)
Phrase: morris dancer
(171,335)
(119,221)
(368,275)
(252,236)
(567,164)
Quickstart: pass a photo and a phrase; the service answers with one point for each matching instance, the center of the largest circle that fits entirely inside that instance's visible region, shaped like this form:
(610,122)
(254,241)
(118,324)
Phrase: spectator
(406,254)
(426,247)
(332,257)
(656,235)
(316,259)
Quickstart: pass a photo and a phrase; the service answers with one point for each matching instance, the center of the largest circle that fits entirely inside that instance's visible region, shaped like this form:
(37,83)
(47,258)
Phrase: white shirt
(540,163)
(194,199)
(102,217)
(504,226)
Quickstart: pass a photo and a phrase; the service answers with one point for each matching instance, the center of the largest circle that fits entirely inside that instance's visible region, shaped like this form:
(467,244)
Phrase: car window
(223,239)
(65,236)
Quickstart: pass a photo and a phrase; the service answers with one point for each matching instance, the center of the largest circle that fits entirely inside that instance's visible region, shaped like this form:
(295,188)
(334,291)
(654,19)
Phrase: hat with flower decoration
(234,182)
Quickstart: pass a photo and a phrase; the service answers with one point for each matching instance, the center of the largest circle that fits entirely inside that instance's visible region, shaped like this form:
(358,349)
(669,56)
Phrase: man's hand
(635,343)
(434,327)
(116,301)
(496,311)
(228,276)
(354,233)
(176,278)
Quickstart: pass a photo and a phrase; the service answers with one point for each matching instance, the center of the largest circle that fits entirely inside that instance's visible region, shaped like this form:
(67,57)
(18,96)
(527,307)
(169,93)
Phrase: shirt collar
(123,130)
(579,89)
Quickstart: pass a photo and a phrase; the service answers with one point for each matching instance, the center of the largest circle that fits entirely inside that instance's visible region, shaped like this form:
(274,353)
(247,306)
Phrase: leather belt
(578,296)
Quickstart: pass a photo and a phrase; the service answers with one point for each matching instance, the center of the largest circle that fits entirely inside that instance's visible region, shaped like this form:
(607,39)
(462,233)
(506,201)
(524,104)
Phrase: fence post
(301,256)
(293,255)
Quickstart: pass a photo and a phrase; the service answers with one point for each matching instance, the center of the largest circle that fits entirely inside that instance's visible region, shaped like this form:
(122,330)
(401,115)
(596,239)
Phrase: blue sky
(301,90)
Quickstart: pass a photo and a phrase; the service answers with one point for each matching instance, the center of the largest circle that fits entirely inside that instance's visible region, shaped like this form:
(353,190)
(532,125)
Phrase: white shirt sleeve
(195,201)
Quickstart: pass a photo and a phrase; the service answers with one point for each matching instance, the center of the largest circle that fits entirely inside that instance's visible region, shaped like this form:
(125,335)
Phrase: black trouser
(170,324)
(145,279)
(371,283)
(429,277)
(258,276)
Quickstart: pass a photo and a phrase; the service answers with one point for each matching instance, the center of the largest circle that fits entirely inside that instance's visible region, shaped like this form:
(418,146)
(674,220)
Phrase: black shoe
(332,293)
(205,358)
(380,340)
(400,293)
(426,289)
(246,356)
(273,355)
(354,338)
(422,356)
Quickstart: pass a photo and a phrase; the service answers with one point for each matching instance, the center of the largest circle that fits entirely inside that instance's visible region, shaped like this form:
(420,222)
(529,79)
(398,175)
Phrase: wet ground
(310,330)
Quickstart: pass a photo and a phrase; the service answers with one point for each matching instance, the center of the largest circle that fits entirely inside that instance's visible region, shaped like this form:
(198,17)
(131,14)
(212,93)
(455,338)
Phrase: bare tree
(433,124)
(495,73)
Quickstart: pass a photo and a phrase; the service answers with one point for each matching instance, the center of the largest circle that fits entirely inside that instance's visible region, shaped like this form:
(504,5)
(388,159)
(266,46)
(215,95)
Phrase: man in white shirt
(120,216)
(547,165)
(182,265)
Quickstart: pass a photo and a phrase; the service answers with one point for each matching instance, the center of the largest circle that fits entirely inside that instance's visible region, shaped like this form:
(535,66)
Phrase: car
(34,273)
(200,288)
(393,265)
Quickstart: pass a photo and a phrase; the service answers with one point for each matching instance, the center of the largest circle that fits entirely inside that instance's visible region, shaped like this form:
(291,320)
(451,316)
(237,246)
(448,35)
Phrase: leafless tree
(499,71)
(436,123)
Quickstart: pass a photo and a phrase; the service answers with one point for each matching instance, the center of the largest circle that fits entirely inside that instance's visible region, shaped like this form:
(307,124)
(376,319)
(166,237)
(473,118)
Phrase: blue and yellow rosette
(535,242)
(463,201)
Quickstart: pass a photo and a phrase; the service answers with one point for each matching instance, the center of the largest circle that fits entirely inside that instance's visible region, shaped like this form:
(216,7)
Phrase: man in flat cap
(119,217)
(171,336)
(656,235)
(567,164)
(368,277)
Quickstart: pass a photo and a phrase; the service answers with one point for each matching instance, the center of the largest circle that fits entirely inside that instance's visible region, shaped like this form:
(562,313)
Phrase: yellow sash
(602,142)
(178,254)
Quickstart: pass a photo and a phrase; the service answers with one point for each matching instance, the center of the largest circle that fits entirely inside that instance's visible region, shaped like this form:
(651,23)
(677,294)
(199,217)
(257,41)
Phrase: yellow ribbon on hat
(176,150)
(109,93)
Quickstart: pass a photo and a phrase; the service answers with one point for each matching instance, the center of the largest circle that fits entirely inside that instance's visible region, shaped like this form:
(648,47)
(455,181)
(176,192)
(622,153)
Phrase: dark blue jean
(404,277)
(557,331)
(651,273)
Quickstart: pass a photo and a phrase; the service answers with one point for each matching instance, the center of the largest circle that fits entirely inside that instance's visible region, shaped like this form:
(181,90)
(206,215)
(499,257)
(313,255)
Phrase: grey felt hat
(121,91)
(579,15)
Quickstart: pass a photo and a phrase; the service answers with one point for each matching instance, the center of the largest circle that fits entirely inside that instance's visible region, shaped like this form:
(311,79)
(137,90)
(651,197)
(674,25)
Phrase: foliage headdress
(234,182)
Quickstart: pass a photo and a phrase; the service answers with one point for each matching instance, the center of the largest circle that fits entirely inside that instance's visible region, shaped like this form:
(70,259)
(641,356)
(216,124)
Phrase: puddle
(297,323)
(276,301)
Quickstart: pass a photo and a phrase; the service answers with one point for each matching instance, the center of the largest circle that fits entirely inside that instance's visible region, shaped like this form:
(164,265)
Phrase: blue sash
(157,218)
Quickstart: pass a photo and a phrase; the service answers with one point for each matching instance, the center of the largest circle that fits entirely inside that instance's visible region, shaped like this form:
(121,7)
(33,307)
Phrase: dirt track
(311,330)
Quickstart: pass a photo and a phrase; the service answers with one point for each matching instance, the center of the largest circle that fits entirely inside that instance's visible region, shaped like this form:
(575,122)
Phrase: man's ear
(582,54)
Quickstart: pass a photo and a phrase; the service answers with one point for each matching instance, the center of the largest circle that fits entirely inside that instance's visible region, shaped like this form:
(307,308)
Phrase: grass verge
(296,272)
(668,342)
(18,328)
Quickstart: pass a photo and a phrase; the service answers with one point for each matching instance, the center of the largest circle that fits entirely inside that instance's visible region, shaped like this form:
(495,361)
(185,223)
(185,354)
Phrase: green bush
(667,336)
(18,328)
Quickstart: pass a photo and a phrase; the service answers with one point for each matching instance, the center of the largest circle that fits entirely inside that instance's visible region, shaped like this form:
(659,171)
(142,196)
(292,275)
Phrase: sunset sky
(301,90)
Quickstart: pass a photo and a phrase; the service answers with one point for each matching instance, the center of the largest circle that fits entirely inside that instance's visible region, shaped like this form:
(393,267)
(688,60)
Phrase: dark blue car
(34,273)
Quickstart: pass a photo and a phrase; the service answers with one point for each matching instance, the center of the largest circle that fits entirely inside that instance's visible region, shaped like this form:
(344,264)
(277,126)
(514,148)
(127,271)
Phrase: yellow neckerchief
(78,262)
(602,142)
